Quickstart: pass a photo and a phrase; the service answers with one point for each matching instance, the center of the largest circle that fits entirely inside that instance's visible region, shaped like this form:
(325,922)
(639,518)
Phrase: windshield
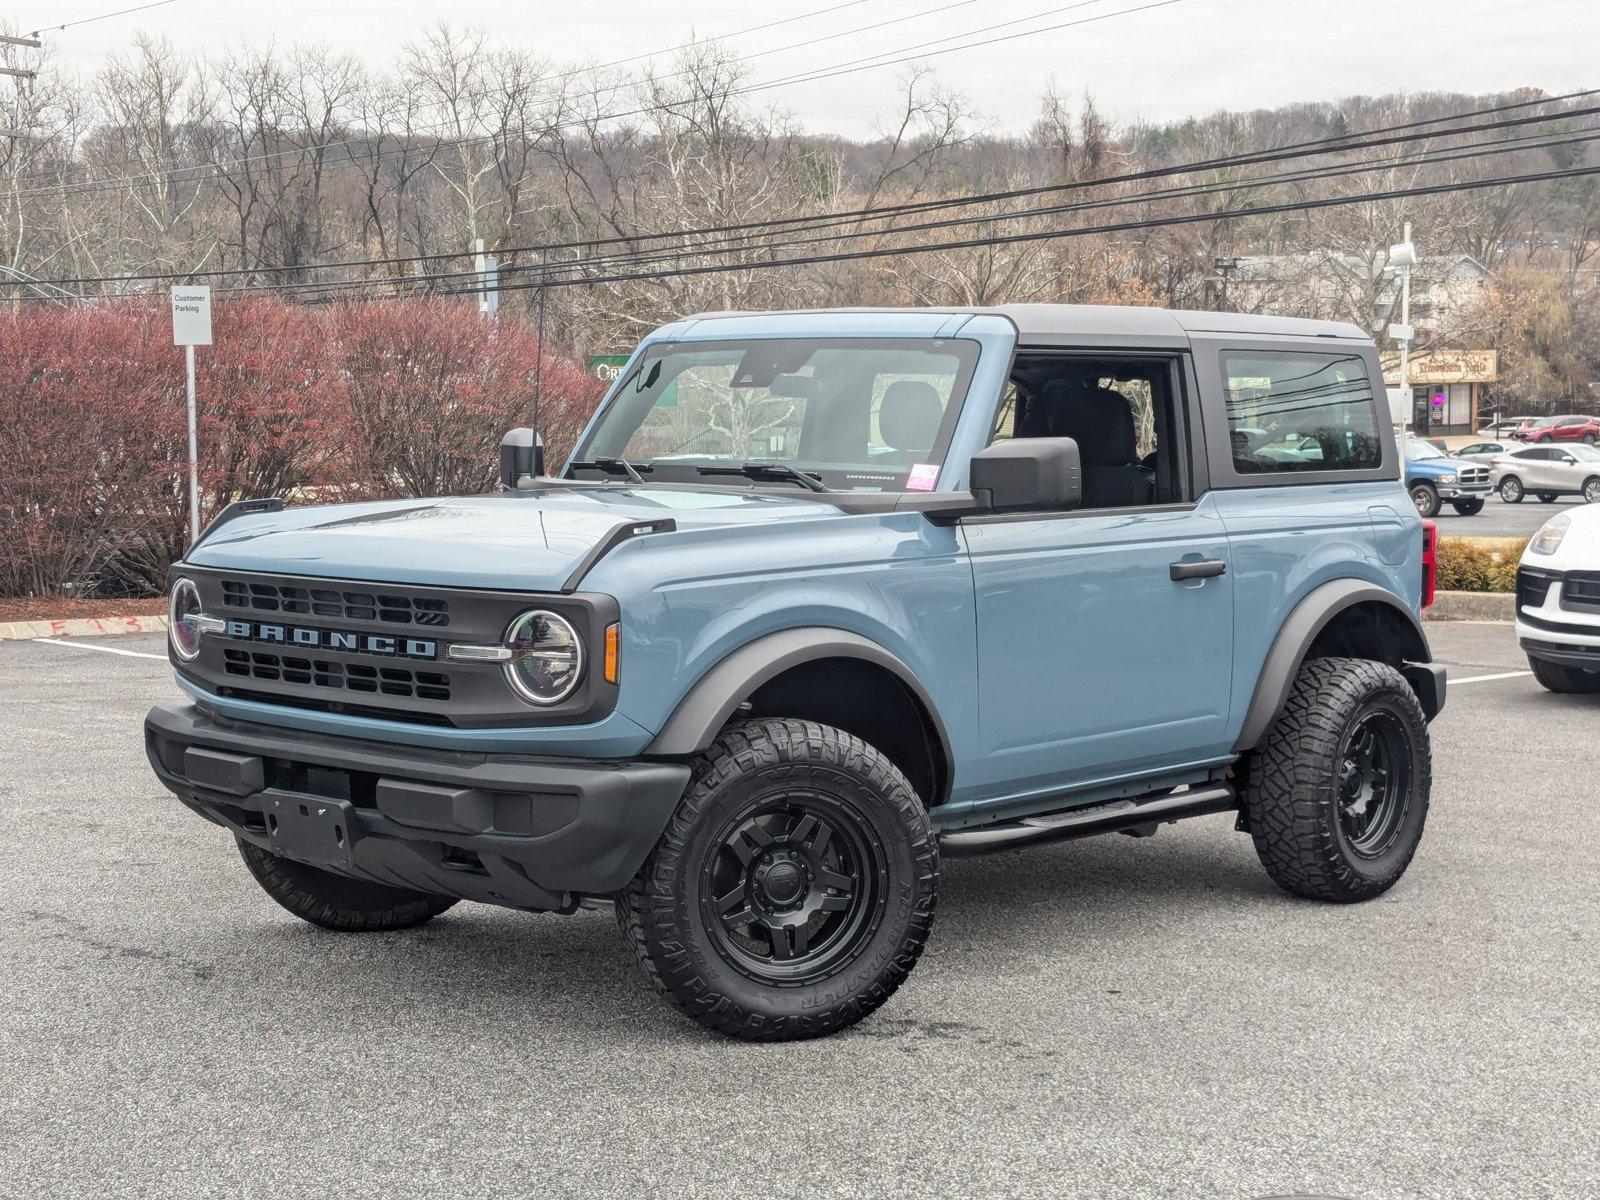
(1419,450)
(1587,454)
(857,414)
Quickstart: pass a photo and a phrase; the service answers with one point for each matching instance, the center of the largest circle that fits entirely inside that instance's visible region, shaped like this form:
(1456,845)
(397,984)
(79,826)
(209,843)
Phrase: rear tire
(1426,499)
(1337,795)
(1511,490)
(793,889)
(336,902)
(1568,681)
(1467,508)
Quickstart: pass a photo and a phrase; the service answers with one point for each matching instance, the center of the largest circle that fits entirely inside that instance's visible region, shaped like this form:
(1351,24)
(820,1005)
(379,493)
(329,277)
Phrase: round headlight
(546,657)
(183,620)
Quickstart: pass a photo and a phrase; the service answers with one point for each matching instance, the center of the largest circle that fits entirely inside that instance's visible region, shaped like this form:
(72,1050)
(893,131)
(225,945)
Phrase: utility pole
(1405,257)
(488,269)
(16,130)
(1225,267)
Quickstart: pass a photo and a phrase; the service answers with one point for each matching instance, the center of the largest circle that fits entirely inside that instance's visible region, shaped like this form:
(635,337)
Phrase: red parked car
(1571,428)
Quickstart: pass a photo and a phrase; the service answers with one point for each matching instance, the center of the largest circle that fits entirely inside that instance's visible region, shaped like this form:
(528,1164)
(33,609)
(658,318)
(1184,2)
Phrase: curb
(1473,606)
(81,627)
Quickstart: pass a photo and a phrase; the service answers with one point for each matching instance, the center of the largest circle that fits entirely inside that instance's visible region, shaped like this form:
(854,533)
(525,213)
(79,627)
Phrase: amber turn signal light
(613,651)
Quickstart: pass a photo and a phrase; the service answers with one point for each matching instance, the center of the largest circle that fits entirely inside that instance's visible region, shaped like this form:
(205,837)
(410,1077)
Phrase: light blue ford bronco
(820,599)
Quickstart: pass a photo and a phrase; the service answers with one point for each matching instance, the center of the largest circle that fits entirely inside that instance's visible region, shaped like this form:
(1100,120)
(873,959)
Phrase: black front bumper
(503,829)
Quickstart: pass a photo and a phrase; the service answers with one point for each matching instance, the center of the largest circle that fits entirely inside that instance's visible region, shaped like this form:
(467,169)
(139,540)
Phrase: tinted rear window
(1300,412)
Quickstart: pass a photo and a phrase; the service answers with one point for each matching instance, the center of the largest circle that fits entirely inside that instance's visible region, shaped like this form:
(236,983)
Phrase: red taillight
(1430,561)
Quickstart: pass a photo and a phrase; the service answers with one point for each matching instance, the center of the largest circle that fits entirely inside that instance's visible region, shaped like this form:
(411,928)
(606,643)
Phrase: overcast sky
(1181,58)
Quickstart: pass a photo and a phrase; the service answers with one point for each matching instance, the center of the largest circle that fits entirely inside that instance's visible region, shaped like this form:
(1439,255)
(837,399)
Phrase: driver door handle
(1208,569)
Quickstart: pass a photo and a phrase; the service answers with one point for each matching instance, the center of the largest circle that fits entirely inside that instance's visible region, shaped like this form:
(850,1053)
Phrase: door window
(1300,412)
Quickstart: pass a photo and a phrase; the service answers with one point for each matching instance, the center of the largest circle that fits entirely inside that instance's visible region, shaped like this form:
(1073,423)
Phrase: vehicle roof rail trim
(621,532)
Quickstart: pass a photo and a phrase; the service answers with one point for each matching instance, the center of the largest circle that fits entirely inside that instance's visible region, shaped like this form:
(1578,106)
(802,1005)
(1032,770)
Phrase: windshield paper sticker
(923,477)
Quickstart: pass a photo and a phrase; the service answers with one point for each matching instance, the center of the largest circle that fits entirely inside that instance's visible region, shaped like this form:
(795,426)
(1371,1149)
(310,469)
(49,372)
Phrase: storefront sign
(1445,366)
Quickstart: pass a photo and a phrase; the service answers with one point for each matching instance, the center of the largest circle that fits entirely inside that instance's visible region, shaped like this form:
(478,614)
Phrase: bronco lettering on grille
(332,639)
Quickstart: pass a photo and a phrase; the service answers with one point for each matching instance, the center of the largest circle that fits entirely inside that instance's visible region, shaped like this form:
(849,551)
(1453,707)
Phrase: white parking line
(102,649)
(1489,678)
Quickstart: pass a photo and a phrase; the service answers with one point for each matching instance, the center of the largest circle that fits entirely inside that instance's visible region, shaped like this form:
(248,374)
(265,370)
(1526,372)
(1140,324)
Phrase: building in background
(1445,388)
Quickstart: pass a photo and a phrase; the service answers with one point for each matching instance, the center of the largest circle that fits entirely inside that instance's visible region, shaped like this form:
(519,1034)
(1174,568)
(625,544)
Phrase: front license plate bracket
(309,829)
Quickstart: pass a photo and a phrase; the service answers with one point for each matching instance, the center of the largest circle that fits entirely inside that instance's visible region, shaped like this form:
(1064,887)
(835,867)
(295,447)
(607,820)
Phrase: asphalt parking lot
(1107,1018)
(1499,519)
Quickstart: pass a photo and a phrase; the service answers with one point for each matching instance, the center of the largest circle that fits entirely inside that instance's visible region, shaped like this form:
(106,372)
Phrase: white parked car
(1547,472)
(1482,452)
(1558,601)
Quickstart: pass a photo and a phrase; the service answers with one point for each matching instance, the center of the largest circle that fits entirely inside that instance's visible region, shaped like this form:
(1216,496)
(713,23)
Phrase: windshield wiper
(768,470)
(615,466)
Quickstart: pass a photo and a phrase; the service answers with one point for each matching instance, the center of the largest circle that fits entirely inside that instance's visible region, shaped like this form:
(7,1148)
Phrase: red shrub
(430,388)
(87,432)
(392,399)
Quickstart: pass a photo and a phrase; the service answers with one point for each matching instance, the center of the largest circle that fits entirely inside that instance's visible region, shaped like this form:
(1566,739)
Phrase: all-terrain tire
(1294,794)
(753,773)
(1569,681)
(336,902)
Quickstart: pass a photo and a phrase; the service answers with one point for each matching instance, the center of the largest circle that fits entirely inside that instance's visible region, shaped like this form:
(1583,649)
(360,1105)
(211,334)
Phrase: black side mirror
(1037,474)
(521,457)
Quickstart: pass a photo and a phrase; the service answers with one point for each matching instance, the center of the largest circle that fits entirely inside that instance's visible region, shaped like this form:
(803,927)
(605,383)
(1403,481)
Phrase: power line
(1401,133)
(326,289)
(1308,175)
(851,67)
(102,17)
(1051,235)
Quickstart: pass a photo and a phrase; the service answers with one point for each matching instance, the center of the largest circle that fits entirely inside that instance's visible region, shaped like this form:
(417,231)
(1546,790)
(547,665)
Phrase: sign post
(191,327)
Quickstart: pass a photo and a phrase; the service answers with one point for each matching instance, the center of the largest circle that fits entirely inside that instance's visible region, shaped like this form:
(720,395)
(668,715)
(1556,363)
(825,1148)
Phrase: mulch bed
(16,608)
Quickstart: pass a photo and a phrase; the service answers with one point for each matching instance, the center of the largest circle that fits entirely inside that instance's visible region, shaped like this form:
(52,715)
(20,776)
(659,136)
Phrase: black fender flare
(709,704)
(1296,635)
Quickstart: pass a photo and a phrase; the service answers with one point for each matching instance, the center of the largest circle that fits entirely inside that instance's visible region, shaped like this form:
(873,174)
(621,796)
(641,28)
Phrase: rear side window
(1300,412)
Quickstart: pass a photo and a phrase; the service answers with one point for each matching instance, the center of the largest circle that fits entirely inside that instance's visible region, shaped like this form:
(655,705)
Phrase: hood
(1440,466)
(528,541)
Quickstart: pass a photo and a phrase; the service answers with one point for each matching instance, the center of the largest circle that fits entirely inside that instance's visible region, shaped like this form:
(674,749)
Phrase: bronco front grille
(336,603)
(354,677)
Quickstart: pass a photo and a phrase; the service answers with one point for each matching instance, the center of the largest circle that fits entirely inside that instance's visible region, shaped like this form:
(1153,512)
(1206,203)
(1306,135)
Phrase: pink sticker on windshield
(923,477)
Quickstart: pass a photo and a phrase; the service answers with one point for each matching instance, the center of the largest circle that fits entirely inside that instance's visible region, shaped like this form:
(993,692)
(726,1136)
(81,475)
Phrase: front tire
(1511,490)
(1426,499)
(793,889)
(1336,797)
(1467,508)
(1547,497)
(1568,681)
(337,902)
(1591,490)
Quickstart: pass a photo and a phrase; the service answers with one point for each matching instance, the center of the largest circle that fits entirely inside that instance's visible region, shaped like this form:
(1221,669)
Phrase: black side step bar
(1114,816)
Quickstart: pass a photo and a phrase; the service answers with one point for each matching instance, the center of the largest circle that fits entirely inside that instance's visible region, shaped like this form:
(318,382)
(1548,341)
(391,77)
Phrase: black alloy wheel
(794,888)
(1374,778)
